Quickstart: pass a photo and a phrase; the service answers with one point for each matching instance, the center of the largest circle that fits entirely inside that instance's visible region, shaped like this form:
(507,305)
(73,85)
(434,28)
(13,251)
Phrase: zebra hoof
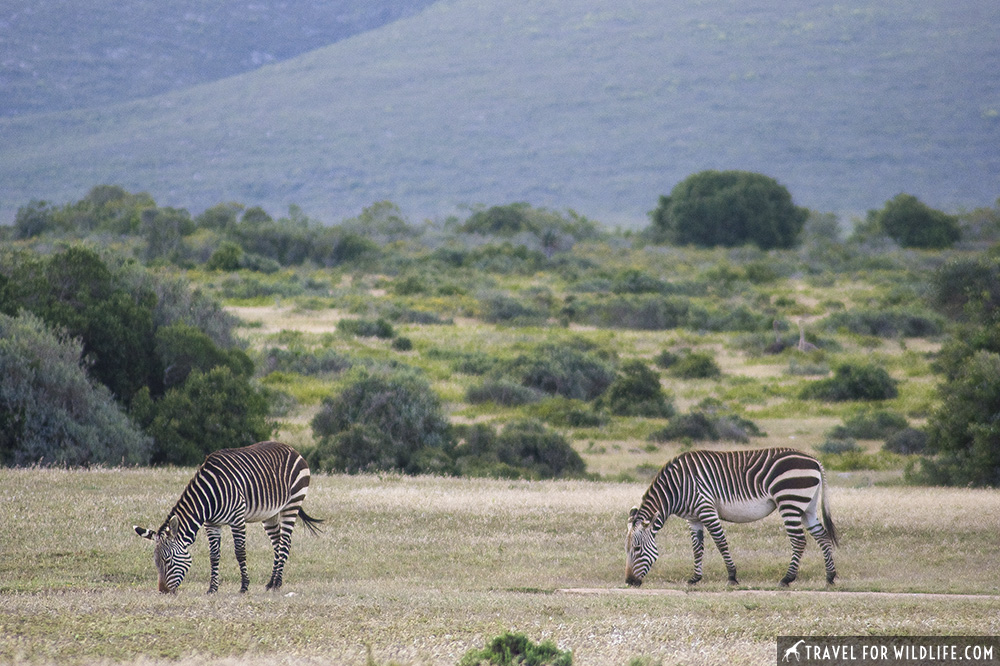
(733,581)
(694,580)
(829,578)
(786,581)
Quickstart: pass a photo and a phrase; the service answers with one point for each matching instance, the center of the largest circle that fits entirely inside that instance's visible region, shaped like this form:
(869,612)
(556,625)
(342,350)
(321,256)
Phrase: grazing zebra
(266,482)
(708,487)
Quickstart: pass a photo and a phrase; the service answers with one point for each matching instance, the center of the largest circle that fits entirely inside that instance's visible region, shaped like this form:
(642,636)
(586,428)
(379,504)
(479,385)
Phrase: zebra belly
(745,511)
(261,514)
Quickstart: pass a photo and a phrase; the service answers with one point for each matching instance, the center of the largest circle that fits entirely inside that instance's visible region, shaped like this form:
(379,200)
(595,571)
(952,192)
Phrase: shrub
(729,208)
(227,257)
(319,362)
(566,413)
(707,424)
(366,328)
(514,649)
(637,392)
(523,449)
(50,411)
(839,446)
(183,348)
(212,410)
(887,323)
(401,413)
(563,370)
(914,224)
(964,431)
(872,424)
(695,365)
(503,392)
(503,309)
(906,441)
(853,381)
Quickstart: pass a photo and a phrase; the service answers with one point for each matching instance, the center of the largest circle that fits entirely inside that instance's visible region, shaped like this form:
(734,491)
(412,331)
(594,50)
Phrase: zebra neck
(660,498)
(187,526)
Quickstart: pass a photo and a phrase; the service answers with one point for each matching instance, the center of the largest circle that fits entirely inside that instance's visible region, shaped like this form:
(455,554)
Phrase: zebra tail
(827,518)
(311,523)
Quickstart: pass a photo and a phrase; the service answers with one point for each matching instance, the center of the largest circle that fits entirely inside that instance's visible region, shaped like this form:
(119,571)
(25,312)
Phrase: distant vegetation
(518,342)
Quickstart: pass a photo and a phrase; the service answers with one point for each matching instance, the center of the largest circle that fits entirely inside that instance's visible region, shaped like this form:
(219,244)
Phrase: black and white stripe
(709,487)
(266,482)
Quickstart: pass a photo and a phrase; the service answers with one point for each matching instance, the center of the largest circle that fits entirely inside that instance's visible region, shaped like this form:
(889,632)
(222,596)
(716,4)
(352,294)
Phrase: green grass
(420,570)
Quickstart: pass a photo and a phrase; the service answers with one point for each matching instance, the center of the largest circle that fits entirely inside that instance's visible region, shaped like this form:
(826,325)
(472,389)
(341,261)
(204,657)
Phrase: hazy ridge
(567,105)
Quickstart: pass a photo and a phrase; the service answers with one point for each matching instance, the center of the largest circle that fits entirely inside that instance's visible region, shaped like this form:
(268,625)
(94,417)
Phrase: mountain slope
(57,55)
(569,104)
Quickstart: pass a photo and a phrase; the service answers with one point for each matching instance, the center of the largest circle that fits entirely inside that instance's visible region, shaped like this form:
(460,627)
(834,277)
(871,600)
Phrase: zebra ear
(631,513)
(173,525)
(143,532)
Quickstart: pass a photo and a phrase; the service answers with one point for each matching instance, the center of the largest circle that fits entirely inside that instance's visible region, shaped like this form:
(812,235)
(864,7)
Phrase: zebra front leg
(714,526)
(214,533)
(240,546)
(698,545)
(793,527)
(826,545)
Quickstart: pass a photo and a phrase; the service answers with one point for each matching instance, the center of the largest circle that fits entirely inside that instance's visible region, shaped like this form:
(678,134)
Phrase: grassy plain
(419,570)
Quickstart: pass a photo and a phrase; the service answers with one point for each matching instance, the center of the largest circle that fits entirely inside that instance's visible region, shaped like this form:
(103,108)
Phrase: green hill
(566,105)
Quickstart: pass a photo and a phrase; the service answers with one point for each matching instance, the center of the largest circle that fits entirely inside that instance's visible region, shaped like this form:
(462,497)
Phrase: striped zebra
(708,487)
(265,482)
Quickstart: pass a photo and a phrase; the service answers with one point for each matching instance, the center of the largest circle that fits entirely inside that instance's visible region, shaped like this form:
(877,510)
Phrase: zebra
(265,482)
(708,487)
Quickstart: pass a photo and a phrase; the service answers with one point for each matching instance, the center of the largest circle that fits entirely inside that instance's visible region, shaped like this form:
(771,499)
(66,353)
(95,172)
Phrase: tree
(637,392)
(212,410)
(380,422)
(965,431)
(50,411)
(729,208)
(914,224)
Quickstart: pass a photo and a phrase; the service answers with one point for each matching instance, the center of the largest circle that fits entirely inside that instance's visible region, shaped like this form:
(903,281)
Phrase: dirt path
(889,596)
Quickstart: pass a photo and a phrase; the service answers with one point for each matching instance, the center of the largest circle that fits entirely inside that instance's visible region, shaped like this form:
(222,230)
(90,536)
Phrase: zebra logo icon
(793,650)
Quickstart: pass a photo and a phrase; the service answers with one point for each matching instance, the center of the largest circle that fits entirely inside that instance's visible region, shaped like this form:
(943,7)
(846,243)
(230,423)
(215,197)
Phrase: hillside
(56,56)
(565,105)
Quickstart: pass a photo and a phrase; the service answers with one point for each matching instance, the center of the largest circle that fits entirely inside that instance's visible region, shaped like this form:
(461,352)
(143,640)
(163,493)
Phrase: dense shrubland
(505,344)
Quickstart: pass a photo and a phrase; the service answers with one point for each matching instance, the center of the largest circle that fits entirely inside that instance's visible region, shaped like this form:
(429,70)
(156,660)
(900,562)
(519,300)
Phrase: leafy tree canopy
(729,208)
(912,223)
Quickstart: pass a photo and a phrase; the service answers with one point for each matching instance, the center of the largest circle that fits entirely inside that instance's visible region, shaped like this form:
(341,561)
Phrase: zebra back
(730,476)
(255,481)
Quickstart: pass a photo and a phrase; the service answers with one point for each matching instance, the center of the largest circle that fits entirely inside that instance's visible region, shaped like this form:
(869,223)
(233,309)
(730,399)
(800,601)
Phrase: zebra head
(640,546)
(170,554)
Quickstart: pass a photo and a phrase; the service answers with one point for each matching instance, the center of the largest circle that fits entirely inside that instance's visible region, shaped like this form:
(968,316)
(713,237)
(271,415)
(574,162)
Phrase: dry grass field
(419,570)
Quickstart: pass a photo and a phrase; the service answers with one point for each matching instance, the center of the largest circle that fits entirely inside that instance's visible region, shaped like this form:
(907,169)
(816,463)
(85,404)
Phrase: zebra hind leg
(793,527)
(698,545)
(280,533)
(826,545)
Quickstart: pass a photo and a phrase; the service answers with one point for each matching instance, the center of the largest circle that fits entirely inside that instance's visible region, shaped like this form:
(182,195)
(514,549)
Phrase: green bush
(212,410)
(503,392)
(566,413)
(318,362)
(906,441)
(563,370)
(853,381)
(51,413)
(695,365)
(637,392)
(839,446)
(729,208)
(366,328)
(398,412)
(914,224)
(522,449)
(707,424)
(870,424)
(887,323)
(514,649)
(964,432)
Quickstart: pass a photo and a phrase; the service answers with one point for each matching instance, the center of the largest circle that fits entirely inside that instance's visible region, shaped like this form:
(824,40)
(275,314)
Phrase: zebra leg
(793,527)
(698,545)
(279,529)
(826,545)
(714,526)
(240,545)
(214,533)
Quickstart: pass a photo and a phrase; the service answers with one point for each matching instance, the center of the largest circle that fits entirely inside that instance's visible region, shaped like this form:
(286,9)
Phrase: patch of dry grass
(422,569)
